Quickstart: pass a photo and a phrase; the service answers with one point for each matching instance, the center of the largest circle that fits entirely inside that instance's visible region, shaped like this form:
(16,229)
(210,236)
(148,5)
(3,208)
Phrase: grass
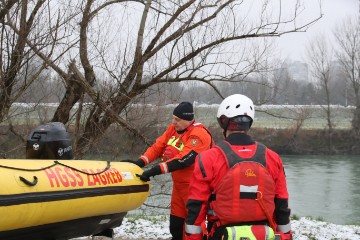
(280,117)
(266,116)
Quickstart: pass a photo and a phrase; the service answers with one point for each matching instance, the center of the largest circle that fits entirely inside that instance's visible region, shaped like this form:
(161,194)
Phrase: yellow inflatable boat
(62,199)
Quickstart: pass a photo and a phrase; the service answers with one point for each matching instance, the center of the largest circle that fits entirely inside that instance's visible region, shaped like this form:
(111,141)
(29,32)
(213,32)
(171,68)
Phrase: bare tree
(347,35)
(135,45)
(15,55)
(29,28)
(320,57)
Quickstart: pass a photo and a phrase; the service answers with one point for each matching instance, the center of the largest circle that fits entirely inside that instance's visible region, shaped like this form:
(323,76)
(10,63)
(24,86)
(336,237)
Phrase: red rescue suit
(212,166)
(178,152)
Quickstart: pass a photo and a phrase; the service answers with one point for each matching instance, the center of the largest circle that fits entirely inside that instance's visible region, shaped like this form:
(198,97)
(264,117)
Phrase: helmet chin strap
(224,133)
(225,129)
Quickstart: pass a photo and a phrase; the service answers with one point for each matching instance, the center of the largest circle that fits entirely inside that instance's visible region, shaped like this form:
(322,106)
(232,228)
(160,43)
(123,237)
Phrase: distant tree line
(279,88)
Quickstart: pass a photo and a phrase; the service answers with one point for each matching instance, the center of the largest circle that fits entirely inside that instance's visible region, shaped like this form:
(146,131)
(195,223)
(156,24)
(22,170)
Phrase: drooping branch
(106,108)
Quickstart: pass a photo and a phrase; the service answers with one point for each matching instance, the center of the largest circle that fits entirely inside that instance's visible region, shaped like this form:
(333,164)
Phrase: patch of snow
(157,227)
(306,229)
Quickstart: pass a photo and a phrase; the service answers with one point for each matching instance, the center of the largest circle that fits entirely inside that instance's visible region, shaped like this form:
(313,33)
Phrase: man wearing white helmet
(239,186)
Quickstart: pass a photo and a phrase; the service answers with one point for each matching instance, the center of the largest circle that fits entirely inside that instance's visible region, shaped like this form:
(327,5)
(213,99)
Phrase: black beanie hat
(184,111)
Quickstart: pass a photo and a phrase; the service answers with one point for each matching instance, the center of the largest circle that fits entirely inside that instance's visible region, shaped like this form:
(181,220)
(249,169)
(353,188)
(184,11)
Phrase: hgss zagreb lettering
(66,177)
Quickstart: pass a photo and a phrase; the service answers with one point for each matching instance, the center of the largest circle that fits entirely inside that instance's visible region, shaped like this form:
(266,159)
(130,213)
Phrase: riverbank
(295,130)
(157,227)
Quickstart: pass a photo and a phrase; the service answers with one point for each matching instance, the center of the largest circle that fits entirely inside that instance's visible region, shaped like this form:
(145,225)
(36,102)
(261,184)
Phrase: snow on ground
(306,229)
(157,227)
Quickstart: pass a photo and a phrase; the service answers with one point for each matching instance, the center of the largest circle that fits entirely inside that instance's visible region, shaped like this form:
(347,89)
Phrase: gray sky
(293,45)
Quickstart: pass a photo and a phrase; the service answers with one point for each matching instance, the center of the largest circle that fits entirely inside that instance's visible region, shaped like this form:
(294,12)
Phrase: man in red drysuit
(239,182)
(178,147)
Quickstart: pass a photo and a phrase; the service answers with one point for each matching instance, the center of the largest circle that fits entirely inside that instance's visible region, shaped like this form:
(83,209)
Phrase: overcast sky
(293,45)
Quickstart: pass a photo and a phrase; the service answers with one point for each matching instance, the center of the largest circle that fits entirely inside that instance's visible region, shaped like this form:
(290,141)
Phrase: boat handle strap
(27,182)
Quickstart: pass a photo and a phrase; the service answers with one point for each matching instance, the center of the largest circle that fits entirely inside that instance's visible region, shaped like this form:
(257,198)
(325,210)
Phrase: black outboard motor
(49,141)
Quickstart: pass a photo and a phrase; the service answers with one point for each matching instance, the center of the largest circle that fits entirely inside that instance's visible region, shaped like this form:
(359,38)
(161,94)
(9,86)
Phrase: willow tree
(113,51)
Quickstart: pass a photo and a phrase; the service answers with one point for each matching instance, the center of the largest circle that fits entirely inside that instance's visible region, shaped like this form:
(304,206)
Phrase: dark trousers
(176,227)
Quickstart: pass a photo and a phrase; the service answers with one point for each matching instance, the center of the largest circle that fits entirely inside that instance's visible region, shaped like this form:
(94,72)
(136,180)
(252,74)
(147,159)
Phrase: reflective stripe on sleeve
(193,229)
(164,168)
(284,228)
(232,234)
(145,158)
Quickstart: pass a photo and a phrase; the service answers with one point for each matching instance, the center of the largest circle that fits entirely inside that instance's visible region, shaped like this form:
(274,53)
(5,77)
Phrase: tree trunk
(356,121)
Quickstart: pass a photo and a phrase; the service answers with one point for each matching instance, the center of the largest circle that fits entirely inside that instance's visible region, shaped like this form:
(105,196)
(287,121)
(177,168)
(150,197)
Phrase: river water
(322,187)
(325,187)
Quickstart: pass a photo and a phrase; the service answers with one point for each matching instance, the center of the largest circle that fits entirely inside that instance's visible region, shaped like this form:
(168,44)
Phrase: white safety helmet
(238,108)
